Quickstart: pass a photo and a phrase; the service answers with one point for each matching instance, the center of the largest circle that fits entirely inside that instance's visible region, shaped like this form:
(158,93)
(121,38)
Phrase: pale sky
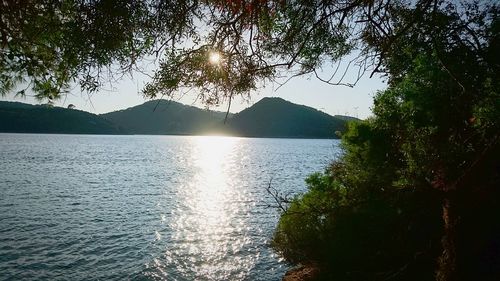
(307,91)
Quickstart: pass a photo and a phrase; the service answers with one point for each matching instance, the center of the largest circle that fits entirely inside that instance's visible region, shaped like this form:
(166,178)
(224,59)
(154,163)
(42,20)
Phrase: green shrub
(358,220)
(360,240)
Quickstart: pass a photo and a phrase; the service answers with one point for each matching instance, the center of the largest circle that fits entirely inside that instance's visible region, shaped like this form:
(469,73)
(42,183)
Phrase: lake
(88,207)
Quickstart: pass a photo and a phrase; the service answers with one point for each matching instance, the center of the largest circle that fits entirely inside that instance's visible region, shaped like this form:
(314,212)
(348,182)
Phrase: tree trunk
(474,180)
(447,265)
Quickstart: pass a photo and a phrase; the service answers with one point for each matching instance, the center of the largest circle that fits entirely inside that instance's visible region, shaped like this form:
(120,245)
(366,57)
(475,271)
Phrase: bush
(359,219)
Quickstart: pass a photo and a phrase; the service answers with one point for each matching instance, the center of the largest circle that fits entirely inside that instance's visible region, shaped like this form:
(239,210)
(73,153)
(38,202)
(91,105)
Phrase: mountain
(162,117)
(276,117)
(16,117)
(270,117)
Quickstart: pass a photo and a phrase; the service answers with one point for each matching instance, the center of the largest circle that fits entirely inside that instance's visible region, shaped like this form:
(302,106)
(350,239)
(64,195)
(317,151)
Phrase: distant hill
(162,117)
(16,117)
(276,117)
(270,117)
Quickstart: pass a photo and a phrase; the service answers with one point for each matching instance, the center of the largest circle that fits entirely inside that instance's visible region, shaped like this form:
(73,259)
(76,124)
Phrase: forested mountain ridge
(19,117)
(276,117)
(270,117)
(162,117)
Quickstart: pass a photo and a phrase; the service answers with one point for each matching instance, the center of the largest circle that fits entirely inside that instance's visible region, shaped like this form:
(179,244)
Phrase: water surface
(84,207)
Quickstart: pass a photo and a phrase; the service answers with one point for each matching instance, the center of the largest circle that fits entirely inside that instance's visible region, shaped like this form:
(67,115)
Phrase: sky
(309,91)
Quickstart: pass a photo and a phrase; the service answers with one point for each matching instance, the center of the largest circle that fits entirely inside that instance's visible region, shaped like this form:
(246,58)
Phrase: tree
(374,214)
(48,44)
(450,142)
(55,42)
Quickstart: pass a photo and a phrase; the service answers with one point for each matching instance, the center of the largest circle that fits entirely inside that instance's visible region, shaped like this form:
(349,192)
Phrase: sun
(214,58)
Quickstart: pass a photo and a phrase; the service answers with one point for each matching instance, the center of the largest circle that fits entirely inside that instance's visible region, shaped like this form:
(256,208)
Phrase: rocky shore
(308,272)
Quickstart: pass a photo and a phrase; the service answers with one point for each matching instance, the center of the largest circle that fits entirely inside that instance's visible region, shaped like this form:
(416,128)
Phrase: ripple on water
(146,207)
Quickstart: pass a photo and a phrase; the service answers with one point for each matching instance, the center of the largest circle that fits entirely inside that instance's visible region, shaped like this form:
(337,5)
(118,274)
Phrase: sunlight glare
(209,199)
(214,58)
(213,154)
(210,218)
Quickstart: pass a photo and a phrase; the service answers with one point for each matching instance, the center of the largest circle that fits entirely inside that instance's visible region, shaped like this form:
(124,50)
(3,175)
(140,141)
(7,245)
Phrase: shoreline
(302,272)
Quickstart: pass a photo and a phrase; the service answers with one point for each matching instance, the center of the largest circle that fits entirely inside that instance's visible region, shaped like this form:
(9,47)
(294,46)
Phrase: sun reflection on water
(212,155)
(209,228)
